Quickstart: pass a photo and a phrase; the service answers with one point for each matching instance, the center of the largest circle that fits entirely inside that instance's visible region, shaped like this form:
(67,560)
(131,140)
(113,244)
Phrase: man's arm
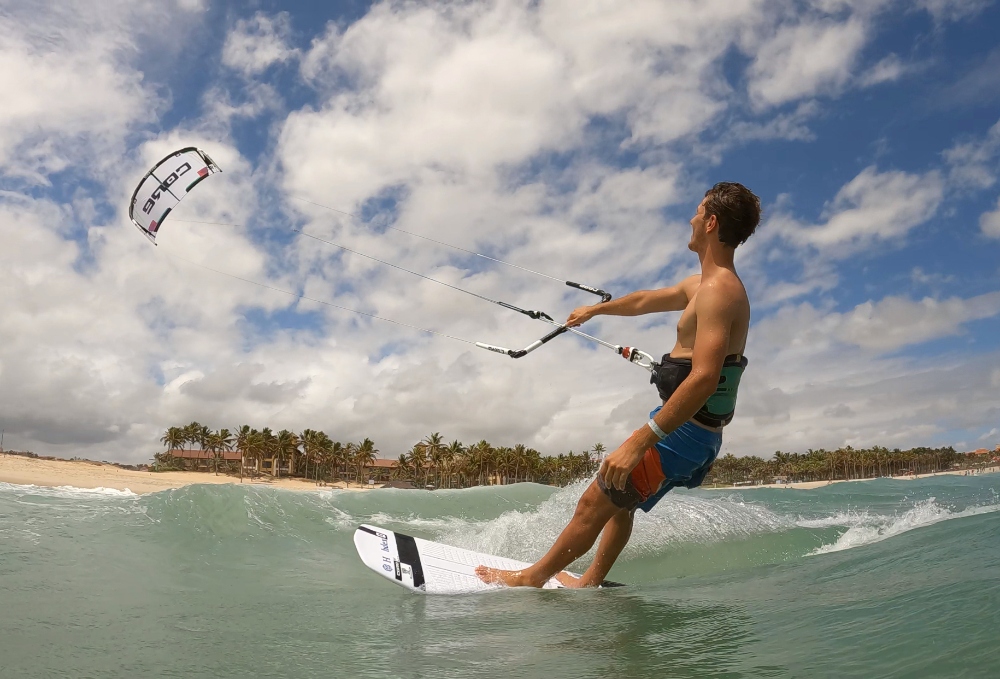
(674,298)
(716,311)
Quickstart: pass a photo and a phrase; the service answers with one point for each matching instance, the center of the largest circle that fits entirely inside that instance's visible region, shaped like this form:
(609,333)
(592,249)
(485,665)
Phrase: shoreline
(85,474)
(809,485)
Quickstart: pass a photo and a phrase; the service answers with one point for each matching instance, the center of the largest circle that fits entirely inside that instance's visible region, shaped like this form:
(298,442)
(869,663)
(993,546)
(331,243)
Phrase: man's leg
(593,511)
(613,540)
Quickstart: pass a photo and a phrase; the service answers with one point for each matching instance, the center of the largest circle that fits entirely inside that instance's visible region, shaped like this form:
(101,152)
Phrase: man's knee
(594,505)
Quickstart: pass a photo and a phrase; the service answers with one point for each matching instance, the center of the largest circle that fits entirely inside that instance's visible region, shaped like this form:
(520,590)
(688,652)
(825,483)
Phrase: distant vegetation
(843,463)
(312,454)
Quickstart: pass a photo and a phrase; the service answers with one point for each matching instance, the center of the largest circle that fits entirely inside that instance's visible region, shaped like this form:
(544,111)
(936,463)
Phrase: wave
(63,491)
(692,531)
(867,529)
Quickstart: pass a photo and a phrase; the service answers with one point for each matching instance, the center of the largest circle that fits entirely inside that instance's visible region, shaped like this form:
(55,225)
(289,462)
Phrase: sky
(574,139)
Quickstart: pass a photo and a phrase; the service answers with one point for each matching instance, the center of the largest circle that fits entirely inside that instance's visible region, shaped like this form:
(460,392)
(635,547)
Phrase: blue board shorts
(683,458)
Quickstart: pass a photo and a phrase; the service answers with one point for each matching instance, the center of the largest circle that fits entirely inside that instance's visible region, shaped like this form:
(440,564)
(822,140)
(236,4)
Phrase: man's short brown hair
(737,210)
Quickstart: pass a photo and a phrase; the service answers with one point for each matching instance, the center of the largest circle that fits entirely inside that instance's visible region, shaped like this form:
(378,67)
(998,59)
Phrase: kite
(165,185)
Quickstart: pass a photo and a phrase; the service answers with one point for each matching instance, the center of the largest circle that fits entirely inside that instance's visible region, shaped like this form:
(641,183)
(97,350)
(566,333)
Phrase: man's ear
(711,223)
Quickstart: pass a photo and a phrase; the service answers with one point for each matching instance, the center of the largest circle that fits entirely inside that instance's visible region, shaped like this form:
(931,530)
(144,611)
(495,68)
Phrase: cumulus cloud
(973,162)
(889,69)
(894,322)
(68,85)
(805,59)
(952,10)
(989,222)
(875,206)
(257,43)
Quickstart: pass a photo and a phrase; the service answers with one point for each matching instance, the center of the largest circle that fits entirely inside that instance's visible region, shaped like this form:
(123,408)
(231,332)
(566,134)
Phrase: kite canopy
(165,185)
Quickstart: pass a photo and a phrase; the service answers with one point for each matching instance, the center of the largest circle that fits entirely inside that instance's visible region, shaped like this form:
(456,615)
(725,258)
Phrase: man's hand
(580,316)
(618,465)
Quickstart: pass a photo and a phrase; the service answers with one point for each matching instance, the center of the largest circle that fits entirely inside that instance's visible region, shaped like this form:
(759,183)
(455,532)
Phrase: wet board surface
(431,567)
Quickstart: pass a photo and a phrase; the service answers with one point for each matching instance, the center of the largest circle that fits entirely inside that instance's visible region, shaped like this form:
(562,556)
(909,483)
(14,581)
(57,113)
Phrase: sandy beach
(806,485)
(85,474)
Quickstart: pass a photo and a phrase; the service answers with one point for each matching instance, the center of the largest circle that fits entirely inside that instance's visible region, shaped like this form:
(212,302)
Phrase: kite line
(166,184)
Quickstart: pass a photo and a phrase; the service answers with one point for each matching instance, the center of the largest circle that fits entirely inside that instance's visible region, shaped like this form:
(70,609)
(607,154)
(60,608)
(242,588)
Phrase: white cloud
(68,88)
(820,378)
(989,222)
(788,126)
(973,164)
(874,206)
(895,322)
(952,10)
(805,59)
(889,69)
(257,43)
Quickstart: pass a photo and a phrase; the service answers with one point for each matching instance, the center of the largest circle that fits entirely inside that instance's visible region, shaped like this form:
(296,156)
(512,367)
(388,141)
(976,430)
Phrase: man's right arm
(674,298)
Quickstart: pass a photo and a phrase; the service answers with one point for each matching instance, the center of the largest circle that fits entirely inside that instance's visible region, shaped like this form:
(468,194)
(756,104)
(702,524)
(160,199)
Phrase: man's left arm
(715,311)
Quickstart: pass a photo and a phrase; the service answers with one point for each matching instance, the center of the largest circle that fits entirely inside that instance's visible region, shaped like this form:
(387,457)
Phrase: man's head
(729,209)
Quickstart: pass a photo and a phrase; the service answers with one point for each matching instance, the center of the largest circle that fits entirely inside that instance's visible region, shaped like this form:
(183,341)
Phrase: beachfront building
(204,460)
(378,471)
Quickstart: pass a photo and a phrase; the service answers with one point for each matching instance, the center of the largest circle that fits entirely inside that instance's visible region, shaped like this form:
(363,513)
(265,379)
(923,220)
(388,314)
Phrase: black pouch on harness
(669,374)
(718,411)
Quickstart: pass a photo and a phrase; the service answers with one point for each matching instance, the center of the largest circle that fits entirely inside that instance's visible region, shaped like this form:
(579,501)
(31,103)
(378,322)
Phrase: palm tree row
(431,462)
(843,463)
(313,452)
(314,455)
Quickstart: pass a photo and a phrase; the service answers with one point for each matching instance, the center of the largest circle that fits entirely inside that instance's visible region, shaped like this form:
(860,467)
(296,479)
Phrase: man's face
(698,224)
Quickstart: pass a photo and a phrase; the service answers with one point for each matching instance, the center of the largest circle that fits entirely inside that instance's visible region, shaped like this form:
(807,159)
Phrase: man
(697,383)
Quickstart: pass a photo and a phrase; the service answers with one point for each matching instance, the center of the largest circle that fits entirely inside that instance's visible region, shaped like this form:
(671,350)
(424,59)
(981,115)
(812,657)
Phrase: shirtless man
(697,382)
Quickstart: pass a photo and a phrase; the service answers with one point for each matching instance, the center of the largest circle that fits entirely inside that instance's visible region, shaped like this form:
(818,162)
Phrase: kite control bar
(631,354)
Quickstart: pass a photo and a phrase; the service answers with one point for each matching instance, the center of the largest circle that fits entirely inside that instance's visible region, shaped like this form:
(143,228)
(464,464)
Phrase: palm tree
(480,457)
(173,438)
(254,447)
(286,445)
(309,448)
(452,457)
(364,455)
(242,437)
(347,453)
(416,460)
(402,470)
(434,447)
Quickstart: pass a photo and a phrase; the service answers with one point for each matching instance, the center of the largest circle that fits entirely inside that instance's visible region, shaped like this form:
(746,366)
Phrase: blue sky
(573,142)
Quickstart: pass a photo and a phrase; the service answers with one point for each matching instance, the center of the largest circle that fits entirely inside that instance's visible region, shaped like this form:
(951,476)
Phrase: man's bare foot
(495,576)
(569,580)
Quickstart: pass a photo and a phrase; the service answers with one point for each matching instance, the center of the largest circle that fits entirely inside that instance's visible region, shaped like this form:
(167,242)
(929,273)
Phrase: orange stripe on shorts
(648,474)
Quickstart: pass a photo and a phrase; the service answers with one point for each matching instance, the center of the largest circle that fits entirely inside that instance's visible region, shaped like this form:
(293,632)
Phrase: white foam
(848,518)
(871,529)
(66,491)
(678,518)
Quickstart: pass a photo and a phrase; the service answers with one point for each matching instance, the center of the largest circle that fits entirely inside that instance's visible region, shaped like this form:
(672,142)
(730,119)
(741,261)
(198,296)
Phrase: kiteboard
(431,567)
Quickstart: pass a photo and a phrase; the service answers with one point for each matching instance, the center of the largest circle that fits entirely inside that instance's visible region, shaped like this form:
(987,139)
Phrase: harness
(718,411)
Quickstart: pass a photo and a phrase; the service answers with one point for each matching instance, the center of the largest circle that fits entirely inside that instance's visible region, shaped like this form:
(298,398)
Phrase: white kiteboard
(423,566)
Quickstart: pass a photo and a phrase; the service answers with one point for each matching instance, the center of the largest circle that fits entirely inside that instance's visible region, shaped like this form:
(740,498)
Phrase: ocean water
(871,579)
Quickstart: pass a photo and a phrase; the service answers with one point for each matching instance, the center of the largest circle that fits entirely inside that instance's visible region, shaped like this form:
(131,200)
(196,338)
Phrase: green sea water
(882,578)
